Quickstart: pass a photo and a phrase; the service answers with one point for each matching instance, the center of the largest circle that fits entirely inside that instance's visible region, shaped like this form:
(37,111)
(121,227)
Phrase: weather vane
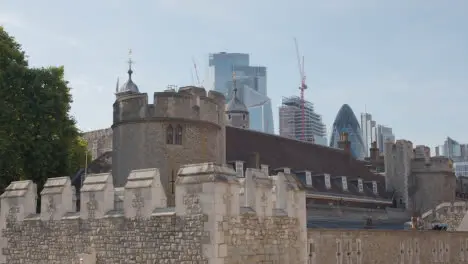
(234,79)
(130,61)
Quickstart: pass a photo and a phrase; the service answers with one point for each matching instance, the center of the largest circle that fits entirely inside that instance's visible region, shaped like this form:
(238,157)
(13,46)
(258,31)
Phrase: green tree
(38,137)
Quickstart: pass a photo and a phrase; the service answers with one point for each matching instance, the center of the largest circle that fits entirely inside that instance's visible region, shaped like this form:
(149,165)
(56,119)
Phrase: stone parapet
(214,210)
(434,165)
(187,103)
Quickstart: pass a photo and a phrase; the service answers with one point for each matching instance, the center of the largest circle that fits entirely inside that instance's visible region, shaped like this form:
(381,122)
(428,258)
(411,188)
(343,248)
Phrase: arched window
(170,135)
(178,135)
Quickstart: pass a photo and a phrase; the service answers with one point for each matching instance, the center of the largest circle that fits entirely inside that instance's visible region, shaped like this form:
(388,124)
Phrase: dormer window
(360,186)
(170,135)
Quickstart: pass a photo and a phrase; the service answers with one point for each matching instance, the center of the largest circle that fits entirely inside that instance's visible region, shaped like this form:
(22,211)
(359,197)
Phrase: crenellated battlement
(212,203)
(143,195)
(434,164)
(187,103)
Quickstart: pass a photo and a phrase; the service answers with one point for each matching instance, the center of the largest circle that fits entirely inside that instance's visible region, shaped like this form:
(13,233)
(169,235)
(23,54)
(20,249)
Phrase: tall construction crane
(196,73)
(303,86)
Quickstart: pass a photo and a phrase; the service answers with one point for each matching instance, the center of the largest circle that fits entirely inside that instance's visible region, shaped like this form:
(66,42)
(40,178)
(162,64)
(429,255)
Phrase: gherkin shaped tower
(346,121)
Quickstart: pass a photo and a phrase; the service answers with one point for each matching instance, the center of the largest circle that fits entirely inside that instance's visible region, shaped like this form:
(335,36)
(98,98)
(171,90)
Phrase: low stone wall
(159,239)
(387,247)
(270,240)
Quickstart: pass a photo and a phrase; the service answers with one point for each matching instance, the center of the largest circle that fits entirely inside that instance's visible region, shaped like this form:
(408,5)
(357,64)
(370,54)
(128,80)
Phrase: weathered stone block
(143,193)
(97,196)
(56,198)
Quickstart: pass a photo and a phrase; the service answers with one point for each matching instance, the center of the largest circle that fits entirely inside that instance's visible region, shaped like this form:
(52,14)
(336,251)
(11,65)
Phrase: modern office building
(290,121)
(346,121)
(453,149)
(450,149)
(384,134)
(368,131)
(251,83)
(461,168)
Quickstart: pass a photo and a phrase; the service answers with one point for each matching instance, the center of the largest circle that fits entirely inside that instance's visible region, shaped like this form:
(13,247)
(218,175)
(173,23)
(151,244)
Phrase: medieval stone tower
(419,182)
(237,114)
(179,128)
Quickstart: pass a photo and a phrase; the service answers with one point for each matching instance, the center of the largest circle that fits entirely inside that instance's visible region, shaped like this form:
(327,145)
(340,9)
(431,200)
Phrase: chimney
(374,151)
(344,142)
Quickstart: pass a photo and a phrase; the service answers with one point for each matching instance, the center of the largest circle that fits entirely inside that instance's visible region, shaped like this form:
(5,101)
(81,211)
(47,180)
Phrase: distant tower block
(237,114)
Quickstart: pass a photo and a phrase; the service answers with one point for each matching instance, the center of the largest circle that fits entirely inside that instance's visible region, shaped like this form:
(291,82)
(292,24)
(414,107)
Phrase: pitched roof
(276,151)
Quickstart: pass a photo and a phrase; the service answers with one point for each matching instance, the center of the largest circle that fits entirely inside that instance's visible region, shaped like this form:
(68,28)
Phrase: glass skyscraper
(346,121)
(251,86)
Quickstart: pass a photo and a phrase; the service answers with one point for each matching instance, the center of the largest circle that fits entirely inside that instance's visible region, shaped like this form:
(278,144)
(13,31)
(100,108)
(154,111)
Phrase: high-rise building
(346,122)
(368,131)
(384,134)
(290,121)
(251,86)
(453,149)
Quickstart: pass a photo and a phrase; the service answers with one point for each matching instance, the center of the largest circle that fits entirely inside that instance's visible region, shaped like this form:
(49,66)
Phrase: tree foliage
(38,137)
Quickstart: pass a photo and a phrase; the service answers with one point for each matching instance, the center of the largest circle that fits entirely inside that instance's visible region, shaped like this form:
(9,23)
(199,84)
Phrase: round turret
(180,127)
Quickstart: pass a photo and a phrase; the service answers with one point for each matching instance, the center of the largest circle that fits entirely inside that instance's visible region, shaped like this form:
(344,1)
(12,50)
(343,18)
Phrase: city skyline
(387,56)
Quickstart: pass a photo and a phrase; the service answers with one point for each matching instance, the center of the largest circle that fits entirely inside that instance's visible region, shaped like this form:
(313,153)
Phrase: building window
(178,135)
(243,126)
(229,117)
(170,135)
(243,117)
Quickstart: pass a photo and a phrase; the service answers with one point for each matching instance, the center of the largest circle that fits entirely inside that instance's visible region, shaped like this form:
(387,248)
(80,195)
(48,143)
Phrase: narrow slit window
(170,135)
(178,135)
(173,180)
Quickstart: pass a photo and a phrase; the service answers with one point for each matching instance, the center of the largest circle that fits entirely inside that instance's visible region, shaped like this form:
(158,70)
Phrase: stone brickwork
(386,247)
(99,141)
(157,239)
(452,214)
(218,218)
(146,135)
(419,184)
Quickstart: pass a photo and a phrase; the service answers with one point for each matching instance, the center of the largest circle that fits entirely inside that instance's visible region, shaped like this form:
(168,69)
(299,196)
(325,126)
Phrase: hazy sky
(406,61)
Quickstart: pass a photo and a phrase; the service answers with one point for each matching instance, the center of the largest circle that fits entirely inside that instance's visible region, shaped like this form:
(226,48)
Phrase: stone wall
(144,135)
(158,239)
(218,218)
(99,141)
(452,214)
(387,247)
